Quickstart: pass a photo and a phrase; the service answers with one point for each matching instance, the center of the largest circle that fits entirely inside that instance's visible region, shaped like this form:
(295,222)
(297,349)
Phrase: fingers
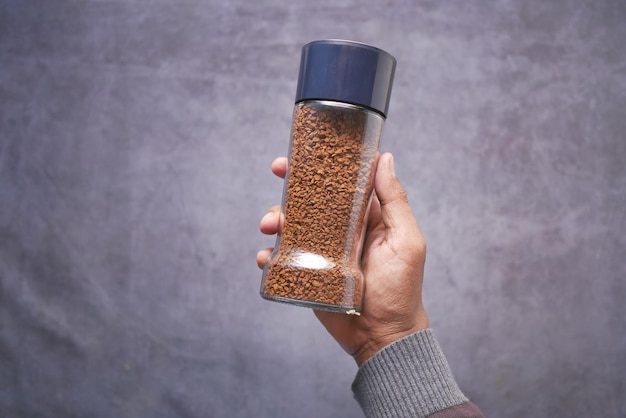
(395,209)
(271,222)
(400,224)
(263,256)
(279,167)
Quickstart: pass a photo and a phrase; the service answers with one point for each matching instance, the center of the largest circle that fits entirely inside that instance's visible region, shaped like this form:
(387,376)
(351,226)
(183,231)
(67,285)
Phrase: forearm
(411,378)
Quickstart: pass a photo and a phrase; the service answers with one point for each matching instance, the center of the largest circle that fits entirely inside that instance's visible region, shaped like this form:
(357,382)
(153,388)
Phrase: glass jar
(341,104)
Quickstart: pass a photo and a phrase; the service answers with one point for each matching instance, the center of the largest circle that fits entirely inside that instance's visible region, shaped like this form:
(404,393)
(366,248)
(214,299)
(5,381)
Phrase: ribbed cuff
(408,378)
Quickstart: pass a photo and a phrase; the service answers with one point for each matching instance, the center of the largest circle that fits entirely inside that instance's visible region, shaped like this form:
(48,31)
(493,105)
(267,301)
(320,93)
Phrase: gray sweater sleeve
(410,378)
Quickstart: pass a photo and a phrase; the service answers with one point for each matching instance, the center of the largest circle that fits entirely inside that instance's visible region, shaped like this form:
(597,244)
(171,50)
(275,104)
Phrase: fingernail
(268,216)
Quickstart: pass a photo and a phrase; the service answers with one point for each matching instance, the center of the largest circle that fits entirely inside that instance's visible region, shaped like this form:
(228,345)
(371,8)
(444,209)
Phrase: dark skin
(393,267)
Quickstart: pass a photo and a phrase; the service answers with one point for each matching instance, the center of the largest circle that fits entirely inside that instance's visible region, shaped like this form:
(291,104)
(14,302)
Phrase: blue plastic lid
(348,72)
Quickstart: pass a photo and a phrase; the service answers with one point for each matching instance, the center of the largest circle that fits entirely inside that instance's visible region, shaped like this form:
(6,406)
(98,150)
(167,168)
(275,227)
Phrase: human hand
(393,267)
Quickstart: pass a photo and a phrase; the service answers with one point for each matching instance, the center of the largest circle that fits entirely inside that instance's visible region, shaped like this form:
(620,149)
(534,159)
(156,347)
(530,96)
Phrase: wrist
(370,348)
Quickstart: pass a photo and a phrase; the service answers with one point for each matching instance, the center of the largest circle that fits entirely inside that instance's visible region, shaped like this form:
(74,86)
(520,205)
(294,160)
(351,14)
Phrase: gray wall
(135,144)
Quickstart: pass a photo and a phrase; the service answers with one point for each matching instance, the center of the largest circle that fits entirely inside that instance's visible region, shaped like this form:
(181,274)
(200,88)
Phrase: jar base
(349,310)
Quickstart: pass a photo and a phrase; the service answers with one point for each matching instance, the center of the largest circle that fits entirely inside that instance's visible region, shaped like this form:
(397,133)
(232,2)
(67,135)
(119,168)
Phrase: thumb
(395,210)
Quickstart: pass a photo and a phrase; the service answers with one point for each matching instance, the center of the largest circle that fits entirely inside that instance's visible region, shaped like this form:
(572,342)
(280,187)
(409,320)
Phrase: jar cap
(346,71)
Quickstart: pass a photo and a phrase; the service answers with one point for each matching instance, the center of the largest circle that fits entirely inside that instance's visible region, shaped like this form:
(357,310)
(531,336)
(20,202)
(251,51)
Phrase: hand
(393,267)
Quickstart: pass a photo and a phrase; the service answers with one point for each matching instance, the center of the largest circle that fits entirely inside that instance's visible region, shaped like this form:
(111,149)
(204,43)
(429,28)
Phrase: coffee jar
(342,100)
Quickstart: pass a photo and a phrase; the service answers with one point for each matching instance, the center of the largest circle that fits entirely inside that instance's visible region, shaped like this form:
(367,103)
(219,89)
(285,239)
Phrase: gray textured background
(135,144)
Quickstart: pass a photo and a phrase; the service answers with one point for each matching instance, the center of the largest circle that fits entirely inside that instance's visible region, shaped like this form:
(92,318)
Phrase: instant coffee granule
(328,187)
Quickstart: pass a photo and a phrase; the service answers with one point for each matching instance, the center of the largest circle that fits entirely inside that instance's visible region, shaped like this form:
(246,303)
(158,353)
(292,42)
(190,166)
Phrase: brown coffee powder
(328,186)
